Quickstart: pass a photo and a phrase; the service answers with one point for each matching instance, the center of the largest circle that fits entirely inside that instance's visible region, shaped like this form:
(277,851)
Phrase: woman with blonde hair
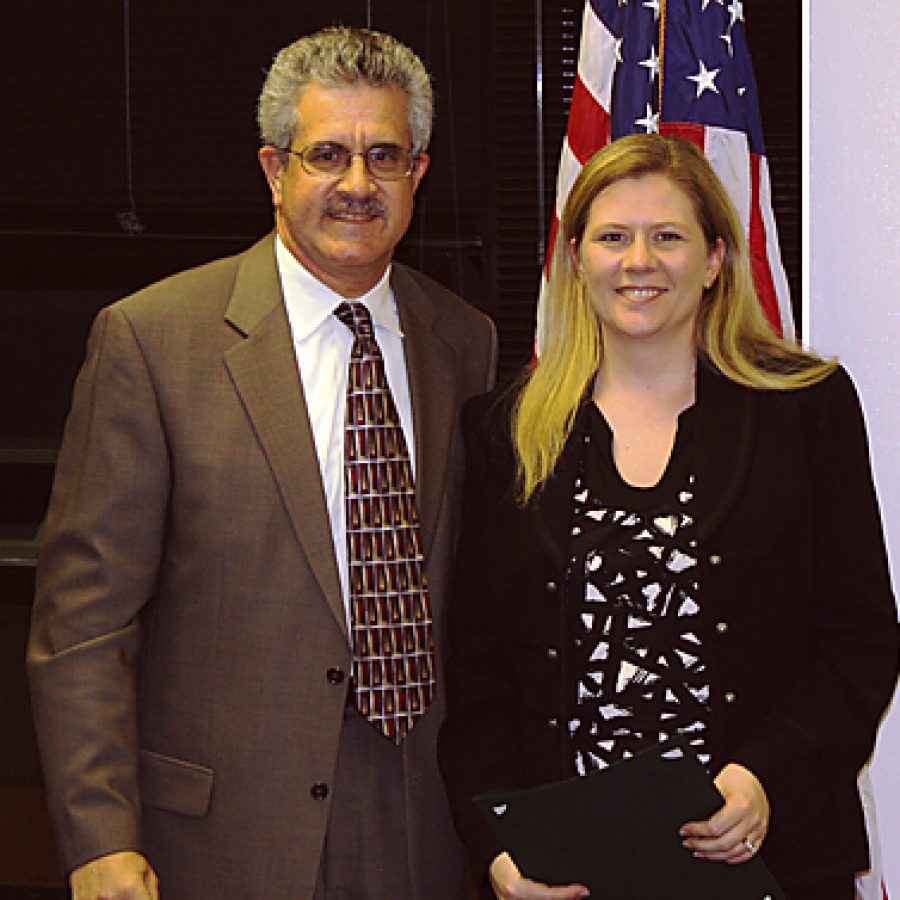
(670,528)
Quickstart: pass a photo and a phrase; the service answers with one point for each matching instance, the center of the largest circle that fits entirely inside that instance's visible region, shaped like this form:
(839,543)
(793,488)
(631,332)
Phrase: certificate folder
(615,830)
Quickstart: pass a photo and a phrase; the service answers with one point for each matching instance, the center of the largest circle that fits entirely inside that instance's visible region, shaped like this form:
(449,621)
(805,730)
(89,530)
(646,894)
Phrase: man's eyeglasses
(384,162)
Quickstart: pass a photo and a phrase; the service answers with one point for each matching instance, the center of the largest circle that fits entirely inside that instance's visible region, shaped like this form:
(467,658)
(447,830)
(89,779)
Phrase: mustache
(342,205)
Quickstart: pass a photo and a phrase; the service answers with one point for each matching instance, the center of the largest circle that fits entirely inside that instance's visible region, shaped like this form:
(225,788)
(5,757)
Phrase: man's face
(343,229)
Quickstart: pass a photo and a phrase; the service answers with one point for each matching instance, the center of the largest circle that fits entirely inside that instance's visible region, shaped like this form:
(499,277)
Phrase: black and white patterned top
(638,673)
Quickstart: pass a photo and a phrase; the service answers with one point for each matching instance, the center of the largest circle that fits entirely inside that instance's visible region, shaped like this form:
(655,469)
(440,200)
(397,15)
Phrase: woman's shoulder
(832,383)
(834,391)
(828,410)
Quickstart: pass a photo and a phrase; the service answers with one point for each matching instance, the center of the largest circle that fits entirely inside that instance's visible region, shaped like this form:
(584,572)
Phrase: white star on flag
(737,11)
(705,79)
(650,121)
(654,5)
(651,64)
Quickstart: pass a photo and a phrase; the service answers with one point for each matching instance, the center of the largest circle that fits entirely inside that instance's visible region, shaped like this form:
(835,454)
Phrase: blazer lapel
(726,428)
(552,511)
(263,368)
(431,367)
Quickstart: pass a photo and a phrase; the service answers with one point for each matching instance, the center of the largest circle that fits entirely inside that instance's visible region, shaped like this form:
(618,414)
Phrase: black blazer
(803,635)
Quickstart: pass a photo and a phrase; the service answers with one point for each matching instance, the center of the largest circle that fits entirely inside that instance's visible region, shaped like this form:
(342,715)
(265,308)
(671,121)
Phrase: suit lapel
(263,368)
(431,368)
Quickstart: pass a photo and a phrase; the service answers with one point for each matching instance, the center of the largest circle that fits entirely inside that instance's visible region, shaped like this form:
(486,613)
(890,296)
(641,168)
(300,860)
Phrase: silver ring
(751,847)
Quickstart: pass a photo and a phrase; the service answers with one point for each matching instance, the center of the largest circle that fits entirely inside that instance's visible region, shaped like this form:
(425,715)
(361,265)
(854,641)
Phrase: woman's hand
(510,884)
(738,828)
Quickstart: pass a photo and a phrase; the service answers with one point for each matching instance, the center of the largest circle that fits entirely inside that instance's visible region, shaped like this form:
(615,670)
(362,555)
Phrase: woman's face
(644,260)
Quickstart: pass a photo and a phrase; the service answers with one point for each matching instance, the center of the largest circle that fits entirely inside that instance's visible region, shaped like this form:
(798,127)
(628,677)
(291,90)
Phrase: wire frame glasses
(384,162)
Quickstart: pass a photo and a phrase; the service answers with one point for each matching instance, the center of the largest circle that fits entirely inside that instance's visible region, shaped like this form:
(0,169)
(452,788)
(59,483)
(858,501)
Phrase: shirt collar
(310,302)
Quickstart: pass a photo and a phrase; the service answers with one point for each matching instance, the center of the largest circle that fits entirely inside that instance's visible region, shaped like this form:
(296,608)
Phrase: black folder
(615,830)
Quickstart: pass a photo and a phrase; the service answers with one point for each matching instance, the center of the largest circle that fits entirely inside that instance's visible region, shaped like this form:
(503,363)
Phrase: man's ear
(419,169)
(270,162)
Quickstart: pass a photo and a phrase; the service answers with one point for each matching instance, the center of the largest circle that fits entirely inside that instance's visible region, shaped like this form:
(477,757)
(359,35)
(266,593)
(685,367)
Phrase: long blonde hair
(731,330)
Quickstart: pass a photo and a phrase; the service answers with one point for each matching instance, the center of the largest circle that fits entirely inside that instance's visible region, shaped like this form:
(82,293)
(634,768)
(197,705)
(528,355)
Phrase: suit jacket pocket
(174,784)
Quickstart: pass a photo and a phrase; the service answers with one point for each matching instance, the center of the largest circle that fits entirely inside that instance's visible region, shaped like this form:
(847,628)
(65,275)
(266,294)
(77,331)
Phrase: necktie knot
(356,317)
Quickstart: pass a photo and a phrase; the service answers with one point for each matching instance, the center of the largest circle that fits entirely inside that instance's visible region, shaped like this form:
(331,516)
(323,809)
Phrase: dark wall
(131,153)
(131,142)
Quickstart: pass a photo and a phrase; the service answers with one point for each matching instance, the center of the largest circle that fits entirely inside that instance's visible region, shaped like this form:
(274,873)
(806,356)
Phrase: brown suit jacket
(188,617)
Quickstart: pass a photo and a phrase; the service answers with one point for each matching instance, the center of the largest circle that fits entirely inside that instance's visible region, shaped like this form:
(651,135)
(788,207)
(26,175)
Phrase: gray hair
(339,57)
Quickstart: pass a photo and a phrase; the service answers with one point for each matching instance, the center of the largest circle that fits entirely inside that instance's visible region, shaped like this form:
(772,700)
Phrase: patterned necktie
(392,633)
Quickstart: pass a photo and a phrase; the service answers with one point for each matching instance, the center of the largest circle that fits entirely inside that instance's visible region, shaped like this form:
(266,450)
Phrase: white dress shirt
(323,345)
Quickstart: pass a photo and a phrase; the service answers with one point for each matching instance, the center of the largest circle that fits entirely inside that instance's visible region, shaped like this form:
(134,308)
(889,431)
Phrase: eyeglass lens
(382,160)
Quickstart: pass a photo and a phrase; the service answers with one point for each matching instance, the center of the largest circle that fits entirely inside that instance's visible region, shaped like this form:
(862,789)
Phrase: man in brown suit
(190,653)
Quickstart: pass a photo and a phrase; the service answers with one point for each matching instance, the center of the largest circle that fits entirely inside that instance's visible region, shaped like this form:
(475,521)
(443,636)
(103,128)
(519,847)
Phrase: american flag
(679,67)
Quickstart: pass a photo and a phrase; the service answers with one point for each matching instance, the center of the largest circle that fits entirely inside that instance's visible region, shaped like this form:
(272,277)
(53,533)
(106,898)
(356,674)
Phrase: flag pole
(662,58)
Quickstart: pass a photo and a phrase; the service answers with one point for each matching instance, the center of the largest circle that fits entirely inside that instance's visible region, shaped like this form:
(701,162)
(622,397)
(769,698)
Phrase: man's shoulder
(404,274)
(209,284)
(446,302)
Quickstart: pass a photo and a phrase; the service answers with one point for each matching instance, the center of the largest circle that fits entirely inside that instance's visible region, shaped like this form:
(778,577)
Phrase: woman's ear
(714,263)
(574,256)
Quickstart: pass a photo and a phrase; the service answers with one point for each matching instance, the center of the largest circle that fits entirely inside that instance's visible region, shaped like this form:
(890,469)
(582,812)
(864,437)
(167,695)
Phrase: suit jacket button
(715,559)
(319,791)
(730,696)
(335,676)
(552,586)
(552,653)
(721,627)
(553,723)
